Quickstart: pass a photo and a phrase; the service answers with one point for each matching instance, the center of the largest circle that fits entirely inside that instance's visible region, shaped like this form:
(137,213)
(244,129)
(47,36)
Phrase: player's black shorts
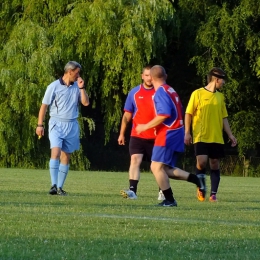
(213,150)
(141,146)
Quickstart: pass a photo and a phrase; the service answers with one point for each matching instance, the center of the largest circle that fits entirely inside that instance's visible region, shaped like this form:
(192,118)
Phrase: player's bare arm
(41,117)
(229,132)
(127,117)
(153,123)
(187,123)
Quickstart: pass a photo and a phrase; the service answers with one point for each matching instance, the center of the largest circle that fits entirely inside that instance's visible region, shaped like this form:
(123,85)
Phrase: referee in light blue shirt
(62,97)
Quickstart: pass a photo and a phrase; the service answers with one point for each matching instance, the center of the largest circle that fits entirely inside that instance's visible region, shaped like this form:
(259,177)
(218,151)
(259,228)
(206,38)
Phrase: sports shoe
(213,198)
(200,194)
(167,203)
(201,191)
(53,190)
(128,194)
(161,195)
(62,192)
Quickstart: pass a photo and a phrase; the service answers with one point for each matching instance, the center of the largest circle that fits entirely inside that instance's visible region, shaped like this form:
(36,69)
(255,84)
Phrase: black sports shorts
(141,146)
(213,150)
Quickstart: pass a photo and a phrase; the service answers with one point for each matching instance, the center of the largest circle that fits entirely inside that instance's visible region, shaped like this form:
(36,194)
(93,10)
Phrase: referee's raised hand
(80,82)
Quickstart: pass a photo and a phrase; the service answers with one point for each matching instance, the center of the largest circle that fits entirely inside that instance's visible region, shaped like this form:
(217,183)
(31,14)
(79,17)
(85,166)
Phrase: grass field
(94,222)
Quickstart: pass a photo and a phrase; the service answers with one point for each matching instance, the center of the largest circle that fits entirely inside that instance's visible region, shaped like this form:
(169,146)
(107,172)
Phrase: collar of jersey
(63,83)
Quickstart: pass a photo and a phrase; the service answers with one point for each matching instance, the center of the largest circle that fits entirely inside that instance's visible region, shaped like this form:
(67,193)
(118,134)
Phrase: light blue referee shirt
(63,101)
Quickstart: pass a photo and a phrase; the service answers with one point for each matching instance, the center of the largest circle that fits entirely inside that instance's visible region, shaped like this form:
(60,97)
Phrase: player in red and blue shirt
(171,131)
(169,136)
(140,109)
(139,104)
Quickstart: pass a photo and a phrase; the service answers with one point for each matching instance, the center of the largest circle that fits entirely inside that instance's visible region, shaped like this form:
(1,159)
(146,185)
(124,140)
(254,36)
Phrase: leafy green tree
(28,65)
(228,36)
(112,39)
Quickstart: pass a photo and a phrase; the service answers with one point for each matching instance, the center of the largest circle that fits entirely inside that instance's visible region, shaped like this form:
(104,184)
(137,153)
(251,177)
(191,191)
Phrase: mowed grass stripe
(94,222)
(148,218)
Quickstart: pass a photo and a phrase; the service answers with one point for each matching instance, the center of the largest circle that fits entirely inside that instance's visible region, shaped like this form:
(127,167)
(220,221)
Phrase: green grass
(94,222)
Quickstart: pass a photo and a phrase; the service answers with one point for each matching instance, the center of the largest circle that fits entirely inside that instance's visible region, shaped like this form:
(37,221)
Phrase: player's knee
(201,165)
(155,167)
(55,153)
(214,164)
(136,160)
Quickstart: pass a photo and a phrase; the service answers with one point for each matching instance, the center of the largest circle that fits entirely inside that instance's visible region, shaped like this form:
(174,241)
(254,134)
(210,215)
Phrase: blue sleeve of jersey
(162,102)
(165,106)
(129,103)
(49,94)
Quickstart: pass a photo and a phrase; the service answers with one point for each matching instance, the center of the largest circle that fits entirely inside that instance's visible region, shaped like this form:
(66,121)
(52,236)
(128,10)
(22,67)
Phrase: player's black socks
(215,179)
(194,179)
(200,172)
(133,185)
(168,195)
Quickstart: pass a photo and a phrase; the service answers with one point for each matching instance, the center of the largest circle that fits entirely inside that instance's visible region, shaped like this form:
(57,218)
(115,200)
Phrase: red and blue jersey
(139,103)
(170,133)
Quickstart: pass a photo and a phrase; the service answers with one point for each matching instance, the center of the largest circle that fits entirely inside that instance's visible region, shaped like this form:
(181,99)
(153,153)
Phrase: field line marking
(166,219)
(194,221)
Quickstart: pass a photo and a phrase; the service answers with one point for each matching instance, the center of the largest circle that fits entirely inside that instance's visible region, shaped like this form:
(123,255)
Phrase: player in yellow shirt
(207,113)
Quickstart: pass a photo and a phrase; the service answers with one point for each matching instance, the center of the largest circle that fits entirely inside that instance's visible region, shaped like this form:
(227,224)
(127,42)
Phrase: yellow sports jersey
(208,110)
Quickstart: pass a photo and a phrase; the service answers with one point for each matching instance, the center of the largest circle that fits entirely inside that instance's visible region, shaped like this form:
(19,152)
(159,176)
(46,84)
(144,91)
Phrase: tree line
(113,40)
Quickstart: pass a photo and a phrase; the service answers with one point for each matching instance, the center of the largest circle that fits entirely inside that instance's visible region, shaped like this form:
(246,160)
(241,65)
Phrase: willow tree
(112,39)
(27,67)
(228,36)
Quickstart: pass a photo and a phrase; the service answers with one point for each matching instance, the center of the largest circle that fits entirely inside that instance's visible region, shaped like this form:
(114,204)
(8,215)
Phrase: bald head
(158,73)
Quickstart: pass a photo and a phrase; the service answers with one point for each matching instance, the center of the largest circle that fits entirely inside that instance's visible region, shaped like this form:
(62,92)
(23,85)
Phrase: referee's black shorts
(141,146)
(213,150)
